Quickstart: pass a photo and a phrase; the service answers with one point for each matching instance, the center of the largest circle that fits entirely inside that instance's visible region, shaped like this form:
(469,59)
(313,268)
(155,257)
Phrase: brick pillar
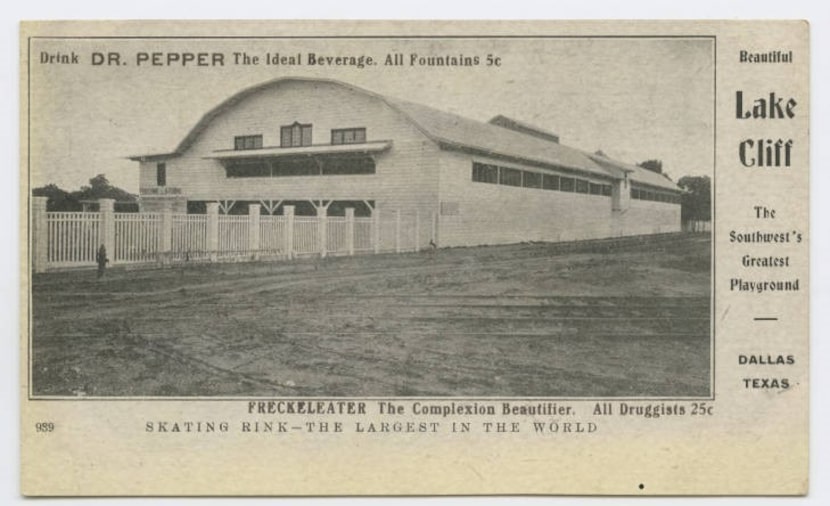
(323,220)
(253,230)
(350,231)
(417,231)
(213,230)
(397,230)
(434,234)
(376,228)
(166,242)
(106,235)
(288,212)
(40,235)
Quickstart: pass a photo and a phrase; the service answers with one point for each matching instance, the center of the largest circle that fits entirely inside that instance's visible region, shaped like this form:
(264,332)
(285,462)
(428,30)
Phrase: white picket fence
(64,240)
(72,238)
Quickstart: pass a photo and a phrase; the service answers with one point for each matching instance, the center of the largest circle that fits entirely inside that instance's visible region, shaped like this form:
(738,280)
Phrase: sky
(635,99)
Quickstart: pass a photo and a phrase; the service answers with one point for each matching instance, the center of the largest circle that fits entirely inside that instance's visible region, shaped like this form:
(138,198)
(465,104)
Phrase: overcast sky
(635,99)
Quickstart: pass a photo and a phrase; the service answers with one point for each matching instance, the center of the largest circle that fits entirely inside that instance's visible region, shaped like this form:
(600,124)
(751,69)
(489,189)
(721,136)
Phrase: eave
(279,152)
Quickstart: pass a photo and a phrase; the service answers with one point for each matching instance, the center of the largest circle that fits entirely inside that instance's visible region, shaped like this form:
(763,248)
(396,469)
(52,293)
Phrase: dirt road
(522,320)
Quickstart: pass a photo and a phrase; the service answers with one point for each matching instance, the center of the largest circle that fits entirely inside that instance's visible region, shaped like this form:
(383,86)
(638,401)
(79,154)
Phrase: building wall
(647,217)
(498,214)
(405,178)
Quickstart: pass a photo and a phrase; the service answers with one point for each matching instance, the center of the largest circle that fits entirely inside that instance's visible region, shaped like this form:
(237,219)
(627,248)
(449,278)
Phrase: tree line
(99,187)
(696,200)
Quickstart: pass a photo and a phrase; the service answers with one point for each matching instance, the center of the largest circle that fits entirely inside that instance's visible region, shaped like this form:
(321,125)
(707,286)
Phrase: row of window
(495,174)
(302,167)
(298,135)
(656,196)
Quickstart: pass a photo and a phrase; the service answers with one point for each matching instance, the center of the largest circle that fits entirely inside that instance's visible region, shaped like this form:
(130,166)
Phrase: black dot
(642,486)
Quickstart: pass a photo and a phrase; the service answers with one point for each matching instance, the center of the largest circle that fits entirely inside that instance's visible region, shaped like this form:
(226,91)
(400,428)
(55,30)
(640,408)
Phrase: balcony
(301,151)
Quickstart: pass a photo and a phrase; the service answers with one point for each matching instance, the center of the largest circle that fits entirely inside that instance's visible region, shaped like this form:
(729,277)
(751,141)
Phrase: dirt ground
(521,320)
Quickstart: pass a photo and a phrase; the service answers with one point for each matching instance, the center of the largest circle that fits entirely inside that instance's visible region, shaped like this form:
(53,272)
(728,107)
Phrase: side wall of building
(647,217)
(475,213)
(499,214)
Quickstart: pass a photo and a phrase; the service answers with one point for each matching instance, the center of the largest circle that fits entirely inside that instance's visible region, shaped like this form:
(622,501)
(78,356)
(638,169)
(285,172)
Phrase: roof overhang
(277,152)
(535,162)
(156,157)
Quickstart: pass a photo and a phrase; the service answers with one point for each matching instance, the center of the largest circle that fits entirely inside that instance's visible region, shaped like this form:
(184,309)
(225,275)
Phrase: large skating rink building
(324,146)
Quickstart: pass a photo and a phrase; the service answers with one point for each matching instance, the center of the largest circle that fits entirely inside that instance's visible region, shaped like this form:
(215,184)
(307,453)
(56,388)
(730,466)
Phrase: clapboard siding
(648,217)
(498,214)
(406,175)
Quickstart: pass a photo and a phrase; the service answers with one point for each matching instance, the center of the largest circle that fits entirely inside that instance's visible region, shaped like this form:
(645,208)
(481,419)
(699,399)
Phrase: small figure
(101,259)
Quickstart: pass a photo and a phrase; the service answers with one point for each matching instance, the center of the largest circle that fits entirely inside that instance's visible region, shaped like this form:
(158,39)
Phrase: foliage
(59,200)
(99,187)
(696,201)
(652,165)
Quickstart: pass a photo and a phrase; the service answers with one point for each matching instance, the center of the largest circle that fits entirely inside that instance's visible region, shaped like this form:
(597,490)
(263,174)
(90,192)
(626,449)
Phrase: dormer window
(296,135)
(348,135)
(247,142)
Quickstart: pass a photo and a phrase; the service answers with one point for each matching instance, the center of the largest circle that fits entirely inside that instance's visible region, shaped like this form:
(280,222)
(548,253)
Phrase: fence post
(40,234)
(434,234)
(166,243)
(417,231)
(397,230)
(350,230)
(212,230)
(323,220)
(376,228)
(107,234)
(253,230)
(288,212)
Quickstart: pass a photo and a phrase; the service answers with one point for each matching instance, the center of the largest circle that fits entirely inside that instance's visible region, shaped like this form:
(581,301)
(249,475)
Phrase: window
(510,177)
(295,135)
(161,174)
(248,169)
(295,167)
(247,142)
(550,182)
(496,174)
(483,173)
(348,165)
(531,179)
(348,135)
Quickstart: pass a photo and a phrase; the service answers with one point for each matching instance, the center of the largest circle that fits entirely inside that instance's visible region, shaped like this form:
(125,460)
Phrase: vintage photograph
(460,217)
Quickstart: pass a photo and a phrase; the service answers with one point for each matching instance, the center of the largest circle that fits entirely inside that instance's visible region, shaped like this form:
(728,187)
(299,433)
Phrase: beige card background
(755,442)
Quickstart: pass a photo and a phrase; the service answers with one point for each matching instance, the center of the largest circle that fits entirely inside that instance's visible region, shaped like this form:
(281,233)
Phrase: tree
(696,201)
(652,165)
(59,200)
(98,188)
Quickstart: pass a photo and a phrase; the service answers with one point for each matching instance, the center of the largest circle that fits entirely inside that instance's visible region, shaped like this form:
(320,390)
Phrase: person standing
(101,259)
